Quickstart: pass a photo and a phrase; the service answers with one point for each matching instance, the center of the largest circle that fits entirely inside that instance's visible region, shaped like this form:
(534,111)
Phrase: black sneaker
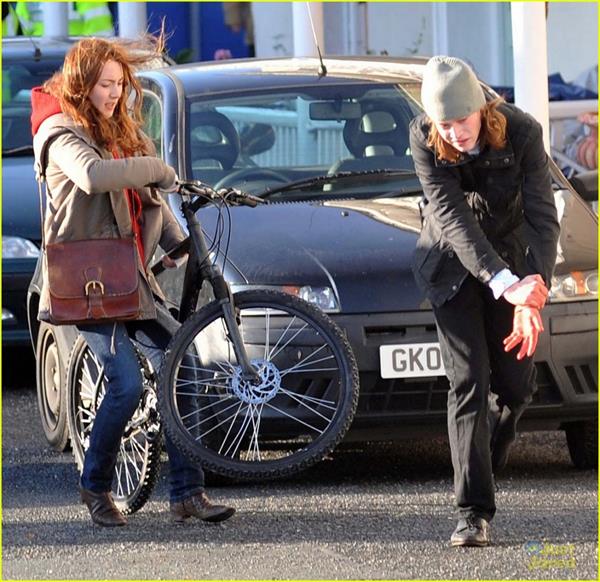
(471,531)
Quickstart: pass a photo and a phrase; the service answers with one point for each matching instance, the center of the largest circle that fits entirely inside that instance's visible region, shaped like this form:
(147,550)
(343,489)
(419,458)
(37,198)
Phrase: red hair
(80,73)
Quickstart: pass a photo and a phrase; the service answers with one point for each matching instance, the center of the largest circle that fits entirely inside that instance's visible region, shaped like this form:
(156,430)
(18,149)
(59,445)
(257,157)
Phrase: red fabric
(134,203)
(43,106)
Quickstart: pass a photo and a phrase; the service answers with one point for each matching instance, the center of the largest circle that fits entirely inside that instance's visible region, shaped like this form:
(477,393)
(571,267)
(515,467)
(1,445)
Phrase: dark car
(25,64)
(331,155)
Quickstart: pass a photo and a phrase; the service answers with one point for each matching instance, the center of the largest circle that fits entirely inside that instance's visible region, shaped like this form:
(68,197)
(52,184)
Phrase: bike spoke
(293,397)
(273,354)
(307,362)
(210,382)
(293,418)
(212,416)
(313,399)
(218,425)
(300,367)
(119,481)
(253,445)
(204,408)
(241,432)
(230,427)
(267,333)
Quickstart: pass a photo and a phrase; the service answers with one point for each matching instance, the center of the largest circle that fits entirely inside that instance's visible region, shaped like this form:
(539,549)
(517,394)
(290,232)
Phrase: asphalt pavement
(369,512)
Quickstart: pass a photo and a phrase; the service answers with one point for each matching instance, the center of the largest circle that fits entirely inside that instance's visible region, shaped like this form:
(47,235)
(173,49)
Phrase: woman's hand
(530,291)
(170,182)
(527,326)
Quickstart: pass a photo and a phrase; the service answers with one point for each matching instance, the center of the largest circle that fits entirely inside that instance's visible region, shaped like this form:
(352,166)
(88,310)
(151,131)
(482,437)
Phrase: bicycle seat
(213,137)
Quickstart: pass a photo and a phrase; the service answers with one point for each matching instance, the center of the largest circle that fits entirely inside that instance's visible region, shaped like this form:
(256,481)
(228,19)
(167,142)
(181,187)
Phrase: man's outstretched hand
(527,326)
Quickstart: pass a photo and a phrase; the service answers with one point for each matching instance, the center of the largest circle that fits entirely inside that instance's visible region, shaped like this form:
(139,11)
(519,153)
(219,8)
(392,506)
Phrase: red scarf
(134,203)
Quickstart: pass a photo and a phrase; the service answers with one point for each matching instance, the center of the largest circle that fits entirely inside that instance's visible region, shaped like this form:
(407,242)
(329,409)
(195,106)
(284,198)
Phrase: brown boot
(199,506)
(102,508)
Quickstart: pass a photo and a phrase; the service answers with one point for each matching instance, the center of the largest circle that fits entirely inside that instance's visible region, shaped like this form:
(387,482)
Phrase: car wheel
(582,440)
(51,389)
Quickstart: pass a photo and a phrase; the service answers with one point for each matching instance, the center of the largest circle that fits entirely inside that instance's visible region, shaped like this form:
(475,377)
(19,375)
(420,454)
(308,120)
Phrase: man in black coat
(484,259)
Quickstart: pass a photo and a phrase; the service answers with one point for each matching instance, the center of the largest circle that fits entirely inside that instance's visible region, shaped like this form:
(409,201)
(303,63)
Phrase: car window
(300,133)
(17,81)
(152,116)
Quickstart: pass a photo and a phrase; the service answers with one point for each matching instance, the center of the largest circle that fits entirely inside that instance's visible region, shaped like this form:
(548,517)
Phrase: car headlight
(574,286)
(322,297)
(14,247)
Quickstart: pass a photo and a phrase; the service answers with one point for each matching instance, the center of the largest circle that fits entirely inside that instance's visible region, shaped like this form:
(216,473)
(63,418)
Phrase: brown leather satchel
(91,281)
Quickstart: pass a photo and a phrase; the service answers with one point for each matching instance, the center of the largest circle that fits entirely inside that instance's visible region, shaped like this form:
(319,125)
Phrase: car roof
(52,49)
(23,47)
(247,74)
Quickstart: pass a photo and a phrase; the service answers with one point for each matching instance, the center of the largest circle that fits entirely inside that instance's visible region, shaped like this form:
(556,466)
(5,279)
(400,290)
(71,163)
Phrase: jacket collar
(488,158)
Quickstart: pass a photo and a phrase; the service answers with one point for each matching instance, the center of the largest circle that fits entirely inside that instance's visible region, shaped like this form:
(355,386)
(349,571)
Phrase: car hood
(20,199)
(362,249)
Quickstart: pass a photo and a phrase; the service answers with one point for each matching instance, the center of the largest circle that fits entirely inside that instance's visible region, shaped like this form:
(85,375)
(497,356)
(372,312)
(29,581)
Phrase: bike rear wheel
(295,412)
(138,461)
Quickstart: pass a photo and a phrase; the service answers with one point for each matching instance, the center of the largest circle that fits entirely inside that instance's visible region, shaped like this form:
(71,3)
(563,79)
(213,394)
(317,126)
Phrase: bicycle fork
(222,292)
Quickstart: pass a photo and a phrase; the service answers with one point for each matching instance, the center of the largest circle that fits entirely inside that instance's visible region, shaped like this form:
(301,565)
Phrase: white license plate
(411,360)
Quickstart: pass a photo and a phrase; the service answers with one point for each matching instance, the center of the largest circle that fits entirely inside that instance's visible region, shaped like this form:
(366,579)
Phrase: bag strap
(40,167)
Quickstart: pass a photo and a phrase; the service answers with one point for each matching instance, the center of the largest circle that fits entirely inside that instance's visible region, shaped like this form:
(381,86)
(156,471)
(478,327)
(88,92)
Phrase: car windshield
(317,142)
(18,78)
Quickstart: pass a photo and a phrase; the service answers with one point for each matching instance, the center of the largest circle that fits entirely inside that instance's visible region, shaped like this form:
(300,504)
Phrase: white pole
(132,19)
(530,57)
(55,16)
(440,28)
(304,42)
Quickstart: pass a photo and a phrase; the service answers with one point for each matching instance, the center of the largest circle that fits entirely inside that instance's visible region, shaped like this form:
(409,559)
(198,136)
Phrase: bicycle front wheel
(289,417)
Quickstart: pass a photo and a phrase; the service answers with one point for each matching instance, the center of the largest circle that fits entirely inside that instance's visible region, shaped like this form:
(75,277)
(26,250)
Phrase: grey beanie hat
(450,89)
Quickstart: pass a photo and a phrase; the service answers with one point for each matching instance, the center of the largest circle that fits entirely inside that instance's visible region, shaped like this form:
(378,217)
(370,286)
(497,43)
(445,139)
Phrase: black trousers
(489,389)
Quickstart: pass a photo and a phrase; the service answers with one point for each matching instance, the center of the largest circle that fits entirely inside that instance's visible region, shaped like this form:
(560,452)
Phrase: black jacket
(484,213)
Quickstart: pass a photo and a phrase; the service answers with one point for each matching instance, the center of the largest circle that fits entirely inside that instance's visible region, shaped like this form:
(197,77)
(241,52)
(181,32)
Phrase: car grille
(583,379)
(378,395)
(407,396)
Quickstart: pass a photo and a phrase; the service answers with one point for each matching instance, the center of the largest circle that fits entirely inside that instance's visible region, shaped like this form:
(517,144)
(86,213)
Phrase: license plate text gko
(411,360)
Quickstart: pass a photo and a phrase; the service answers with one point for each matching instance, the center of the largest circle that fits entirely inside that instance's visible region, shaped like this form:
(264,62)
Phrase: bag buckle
(92,285)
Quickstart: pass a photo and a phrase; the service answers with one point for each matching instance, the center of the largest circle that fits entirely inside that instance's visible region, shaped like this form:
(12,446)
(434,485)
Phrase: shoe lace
(472,523)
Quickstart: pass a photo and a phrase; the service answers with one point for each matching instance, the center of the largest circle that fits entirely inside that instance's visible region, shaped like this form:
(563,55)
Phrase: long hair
(80,72)
(492,133)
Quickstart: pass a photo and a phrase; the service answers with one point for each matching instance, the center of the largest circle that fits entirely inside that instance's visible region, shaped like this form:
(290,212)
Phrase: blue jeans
(123,392)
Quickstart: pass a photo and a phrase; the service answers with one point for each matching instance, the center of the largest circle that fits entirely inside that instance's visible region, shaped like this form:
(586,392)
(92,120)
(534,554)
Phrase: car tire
(582,441)
(51,389)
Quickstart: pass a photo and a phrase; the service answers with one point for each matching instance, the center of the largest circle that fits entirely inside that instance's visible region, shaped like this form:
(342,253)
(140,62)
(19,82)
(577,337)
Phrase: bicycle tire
(138,463)
(298,423)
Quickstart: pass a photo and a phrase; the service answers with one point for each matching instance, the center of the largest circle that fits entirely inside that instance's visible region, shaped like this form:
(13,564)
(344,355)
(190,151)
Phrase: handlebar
(204,195)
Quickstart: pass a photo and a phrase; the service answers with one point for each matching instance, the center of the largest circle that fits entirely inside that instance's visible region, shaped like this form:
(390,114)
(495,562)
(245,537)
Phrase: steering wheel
(235,178)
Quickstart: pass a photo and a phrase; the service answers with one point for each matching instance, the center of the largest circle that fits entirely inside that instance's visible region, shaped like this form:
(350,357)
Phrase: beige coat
(85,198)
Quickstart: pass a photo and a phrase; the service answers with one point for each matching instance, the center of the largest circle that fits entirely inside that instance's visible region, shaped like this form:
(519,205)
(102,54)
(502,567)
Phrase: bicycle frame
(199,269)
